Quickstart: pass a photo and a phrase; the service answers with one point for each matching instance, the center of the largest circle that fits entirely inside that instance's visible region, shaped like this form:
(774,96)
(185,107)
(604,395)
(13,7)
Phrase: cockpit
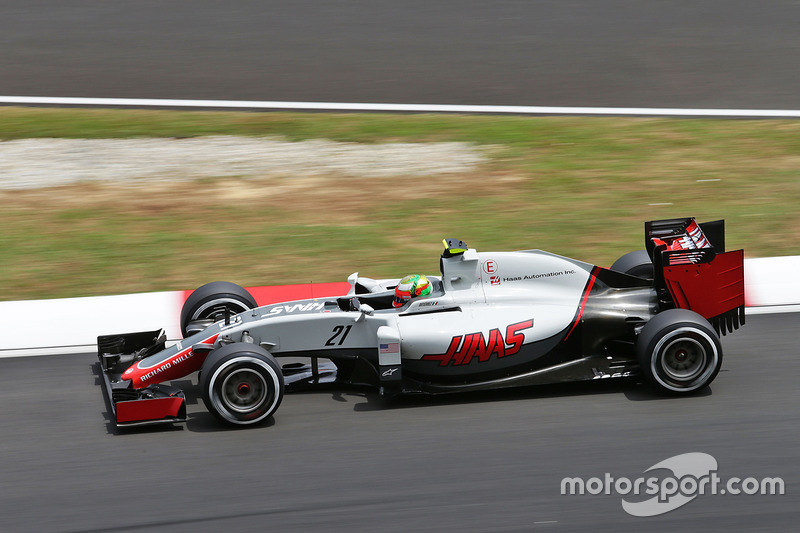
(380,294)
(383,299)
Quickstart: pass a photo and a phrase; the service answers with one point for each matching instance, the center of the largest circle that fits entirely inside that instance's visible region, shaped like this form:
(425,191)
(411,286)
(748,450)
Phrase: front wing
(154,404)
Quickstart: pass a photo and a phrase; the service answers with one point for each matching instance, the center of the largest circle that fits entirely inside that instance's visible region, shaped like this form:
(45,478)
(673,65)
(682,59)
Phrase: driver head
(410,287)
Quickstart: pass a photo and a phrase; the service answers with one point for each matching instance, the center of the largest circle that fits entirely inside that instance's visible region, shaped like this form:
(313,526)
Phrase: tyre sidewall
(662,333)
(226,362)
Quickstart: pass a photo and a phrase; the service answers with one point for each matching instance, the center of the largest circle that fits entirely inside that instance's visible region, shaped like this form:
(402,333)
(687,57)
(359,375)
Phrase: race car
(487,320)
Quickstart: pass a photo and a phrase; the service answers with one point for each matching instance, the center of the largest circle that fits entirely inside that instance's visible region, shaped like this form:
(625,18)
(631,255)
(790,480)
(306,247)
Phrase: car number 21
(339,335)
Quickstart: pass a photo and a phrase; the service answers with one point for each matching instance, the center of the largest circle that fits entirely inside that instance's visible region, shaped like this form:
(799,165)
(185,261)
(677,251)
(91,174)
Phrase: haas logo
(463,348)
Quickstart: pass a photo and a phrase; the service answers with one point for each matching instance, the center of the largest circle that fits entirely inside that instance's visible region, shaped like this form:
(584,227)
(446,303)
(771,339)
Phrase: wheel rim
(684,359)
(244,390)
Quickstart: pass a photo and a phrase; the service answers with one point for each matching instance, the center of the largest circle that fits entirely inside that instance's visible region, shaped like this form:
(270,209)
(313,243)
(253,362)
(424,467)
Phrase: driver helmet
(412,286)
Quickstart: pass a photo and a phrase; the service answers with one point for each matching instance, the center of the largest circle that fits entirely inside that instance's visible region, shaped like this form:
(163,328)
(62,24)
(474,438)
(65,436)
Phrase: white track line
(409,108)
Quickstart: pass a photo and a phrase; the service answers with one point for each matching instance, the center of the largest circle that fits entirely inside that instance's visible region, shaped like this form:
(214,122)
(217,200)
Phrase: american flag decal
(392,347)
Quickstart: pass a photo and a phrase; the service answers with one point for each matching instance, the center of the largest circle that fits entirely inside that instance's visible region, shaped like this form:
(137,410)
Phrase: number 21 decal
(340,333)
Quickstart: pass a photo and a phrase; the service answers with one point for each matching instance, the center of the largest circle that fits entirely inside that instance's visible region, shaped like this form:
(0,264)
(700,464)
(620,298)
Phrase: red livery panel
(181,364)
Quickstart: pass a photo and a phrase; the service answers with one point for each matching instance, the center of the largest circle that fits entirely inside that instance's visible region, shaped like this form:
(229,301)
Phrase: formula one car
(489,320)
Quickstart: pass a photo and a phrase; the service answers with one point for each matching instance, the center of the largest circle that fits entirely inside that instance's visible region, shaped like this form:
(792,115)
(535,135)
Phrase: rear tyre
(636,263)
(679,352)
(212,301)
(241,384)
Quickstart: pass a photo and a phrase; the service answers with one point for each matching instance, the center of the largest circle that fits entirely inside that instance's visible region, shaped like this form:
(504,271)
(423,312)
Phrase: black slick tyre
(679,352)
(241,384)
(212,301)
(635,263)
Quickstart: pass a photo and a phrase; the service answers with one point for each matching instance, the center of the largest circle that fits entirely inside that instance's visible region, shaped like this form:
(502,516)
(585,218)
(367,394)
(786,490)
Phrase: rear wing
(693,271)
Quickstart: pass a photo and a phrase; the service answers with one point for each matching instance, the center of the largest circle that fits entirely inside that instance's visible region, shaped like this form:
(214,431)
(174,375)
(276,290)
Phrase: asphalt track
(619,53)
(343,461)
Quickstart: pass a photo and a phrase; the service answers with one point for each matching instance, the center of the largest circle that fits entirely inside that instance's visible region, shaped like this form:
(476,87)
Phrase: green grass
(576,186)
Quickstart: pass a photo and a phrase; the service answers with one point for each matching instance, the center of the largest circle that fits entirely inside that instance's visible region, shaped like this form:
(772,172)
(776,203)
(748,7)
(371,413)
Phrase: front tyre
(212,302)
(679,352)
(241,384)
